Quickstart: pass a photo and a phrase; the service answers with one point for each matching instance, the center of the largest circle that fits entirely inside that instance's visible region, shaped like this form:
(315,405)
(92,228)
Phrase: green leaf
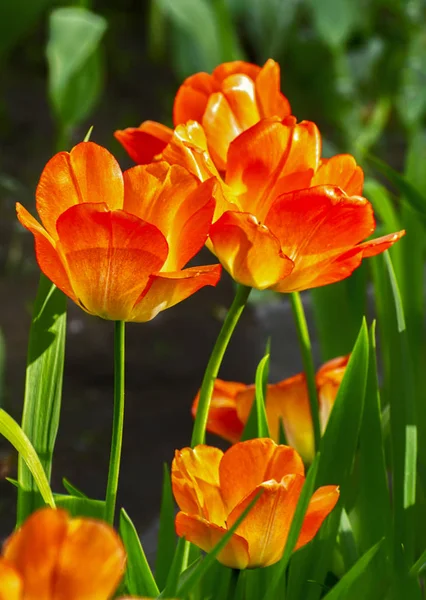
(78,506)
(166,534)
(178,566)
(340,590)
(75,68)
(139,578)
(419,566)
(257,423)
(71,489)
(333,20)
(10,429)
(411,99)
(43,388)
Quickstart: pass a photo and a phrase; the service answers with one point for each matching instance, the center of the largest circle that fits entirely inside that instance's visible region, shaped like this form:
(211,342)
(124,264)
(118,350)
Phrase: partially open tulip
(116,243)
(213,489)
(227,102)
(55,557)
(287,402)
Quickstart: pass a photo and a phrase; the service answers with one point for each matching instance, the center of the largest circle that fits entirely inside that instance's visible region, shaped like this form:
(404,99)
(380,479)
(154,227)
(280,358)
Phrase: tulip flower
(227,102)
(286,401)
(116,243)
(55,557)
(213,489)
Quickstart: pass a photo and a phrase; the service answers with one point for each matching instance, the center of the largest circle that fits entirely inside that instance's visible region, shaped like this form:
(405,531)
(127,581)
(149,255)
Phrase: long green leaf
(139,578)
(43,388)
(166,535)
(257,423)
(81,507)
(10,429)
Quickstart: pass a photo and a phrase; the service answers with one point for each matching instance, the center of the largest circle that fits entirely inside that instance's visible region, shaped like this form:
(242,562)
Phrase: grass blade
(166,534)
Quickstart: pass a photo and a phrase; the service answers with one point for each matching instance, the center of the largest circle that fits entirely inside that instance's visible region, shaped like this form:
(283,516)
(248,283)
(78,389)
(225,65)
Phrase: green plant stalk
(308,363)
(118,421)
(213,366)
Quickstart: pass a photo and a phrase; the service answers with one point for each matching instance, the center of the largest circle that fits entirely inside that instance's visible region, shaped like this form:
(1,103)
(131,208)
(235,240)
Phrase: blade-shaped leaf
(78,506)
(166,534)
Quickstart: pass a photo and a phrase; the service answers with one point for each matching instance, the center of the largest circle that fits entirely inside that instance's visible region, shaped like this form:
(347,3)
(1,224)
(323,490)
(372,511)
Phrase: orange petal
(379,245)
(221,127)
(328,380)
(340,170)
(145,142)
(91,562)
(104,250)
(176,203)
(246,465)
(89,173)
(191,98)
(223,419)
(34,548)
(11,585)
(322,503)
(195,481)
(206,535)
(167,289)
(270,100)
(226,69)
(240,93)
(249,251)
(47,256)
(267,525)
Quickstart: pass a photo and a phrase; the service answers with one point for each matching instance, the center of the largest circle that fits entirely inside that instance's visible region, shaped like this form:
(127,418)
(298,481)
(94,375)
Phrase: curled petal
(145,142)
(47,256)
(111,258)
(340,170)
(167,289)
(248,464)
(91,562)
(223,418)
(11,585)
(267,525)
(379,245)
(206,535)
(192,97)
(322,503)
(89,173)
(226,69)
(271,101)
(249,251)
(176,203)
(34,548)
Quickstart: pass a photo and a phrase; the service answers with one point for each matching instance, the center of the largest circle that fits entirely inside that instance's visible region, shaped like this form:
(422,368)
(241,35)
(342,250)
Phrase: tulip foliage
(318,492)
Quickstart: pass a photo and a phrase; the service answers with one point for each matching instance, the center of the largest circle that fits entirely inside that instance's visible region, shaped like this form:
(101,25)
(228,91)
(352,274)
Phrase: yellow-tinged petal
(267,524)
(206,535)
(167,289)
(91,562)
(89,173)
(248,464)
(322,503)
(340,170)
(249,251)
(11,586)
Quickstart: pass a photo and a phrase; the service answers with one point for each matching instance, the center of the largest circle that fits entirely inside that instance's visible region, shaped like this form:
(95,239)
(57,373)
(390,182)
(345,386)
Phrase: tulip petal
(11,586)
(145,142)
(223,419)
(322,503)
(340,170)
(191,98)
(240,93)
(248,250)
(268,83)
(221,127)
(379,245)
(176,203)
(91,562)
(111,258)
(47,256)
(248,464)
(89,173)
(267,525)
(33,551)
(167,289)
(328,380)
(226,69)
(206,535)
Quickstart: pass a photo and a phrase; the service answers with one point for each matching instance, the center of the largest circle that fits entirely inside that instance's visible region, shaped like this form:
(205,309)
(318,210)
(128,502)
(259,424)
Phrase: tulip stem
(308,363)
(213,366)
(118,421)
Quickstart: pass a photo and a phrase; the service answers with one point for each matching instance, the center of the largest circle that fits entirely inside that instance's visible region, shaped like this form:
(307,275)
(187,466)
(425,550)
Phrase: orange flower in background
(54,557)
(226,103)
(286,401)
(213,489)
(116,243)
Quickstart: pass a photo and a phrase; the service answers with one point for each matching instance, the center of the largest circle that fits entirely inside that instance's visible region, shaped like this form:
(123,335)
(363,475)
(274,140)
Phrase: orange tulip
(227,102)
(54,557)
(116,243)
(213,488)
(286,401)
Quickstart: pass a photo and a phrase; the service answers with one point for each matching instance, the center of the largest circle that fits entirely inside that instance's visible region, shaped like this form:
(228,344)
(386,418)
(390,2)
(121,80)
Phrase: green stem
(118,420)
(308,363)
(213,366)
